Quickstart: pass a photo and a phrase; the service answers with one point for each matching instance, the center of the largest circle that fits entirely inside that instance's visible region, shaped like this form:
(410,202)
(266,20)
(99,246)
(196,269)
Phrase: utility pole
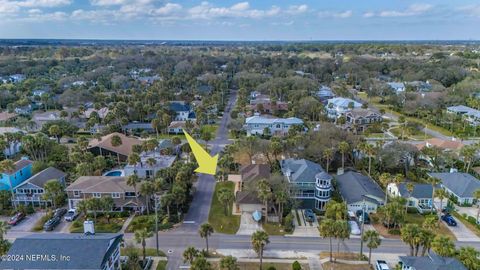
(362,229)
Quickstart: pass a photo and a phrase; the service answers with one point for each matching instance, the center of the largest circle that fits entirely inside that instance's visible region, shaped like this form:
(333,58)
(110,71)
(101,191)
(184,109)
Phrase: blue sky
(241,20)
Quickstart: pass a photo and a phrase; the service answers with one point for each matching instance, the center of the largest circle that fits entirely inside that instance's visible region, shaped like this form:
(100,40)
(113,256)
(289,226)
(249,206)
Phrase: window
(97,195)
(116,195)
(76,193)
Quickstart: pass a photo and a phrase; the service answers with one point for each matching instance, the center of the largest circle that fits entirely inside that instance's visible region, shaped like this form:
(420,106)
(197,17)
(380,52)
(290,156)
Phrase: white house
(420,197)
(256,125)
(145,170)
(398,87)
(15,146)
(339,106)
(183,112)
(459,185)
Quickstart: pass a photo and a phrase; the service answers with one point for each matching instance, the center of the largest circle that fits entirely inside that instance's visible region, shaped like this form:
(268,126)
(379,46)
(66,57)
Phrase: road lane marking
(189,222)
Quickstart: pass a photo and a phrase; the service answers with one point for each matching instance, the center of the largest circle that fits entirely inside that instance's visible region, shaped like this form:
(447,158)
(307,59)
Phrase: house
(309,182)
(145,170)
(149,80)
(177,127)
(420,197)
(430,262)
(338,106)
(22,171)
(31,191)
(445,145)
(104,147)
(24,110)
(420,86)
(325,93)
(263,104)
(183,111)
(459,185)
(6,117)
(398,87)
(359,191)
(468,114)
(14,146)
(246,200)
(138,127)
(102,112)
(358,120)
(257,125)
(65,251)
(40,118)
(123,195)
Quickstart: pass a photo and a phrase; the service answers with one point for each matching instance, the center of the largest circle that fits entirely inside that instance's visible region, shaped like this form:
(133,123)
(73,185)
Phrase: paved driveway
(462,233)
(247,225)
(26,225)
(304,228)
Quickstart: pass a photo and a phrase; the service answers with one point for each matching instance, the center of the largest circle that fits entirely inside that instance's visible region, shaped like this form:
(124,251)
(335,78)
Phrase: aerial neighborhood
(325,156)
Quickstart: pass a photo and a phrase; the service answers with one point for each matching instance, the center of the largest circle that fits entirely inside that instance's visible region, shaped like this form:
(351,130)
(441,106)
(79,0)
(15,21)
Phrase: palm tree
(426,237)
(469,257)
(147,189)
(259,241)
(434,182)
(410,186)
(441,194)
(476,196)
(8,166)
(410,235)
(328,156)
(140,237)
(281,198)
(133,160)
(264,193)
(82,207)
(443,246)
(3,230)
(116,142)
(343,147)
(385,179)
(55,131)
(205,231)
(229,263)
(342,232)
(327,229)
(372,238)
(225,196)
(132,181)
(189,254)
(468,153)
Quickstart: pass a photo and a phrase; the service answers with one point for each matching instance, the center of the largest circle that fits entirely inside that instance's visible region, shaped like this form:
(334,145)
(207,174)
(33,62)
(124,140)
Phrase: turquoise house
(23,171)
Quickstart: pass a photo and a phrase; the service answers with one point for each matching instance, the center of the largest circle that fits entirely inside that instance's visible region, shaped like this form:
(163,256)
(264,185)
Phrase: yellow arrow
(207,164)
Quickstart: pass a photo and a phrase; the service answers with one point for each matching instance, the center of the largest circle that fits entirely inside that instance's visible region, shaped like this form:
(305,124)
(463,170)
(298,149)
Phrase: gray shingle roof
(44,176)
(420,191)
(302,170)
(355,187)
(462,184)
(432,262)
(86,252)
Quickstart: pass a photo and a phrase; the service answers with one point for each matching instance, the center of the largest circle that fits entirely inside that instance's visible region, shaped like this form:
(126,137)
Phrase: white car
(381,265)
(71,215)
(354,229)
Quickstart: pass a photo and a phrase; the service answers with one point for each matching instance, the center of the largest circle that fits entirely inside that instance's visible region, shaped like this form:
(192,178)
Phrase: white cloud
(8,7)
(412,10)
(240,10)
(471,10)
(168,9)
(332,14)
(43,3)
(368,14)
(297,9)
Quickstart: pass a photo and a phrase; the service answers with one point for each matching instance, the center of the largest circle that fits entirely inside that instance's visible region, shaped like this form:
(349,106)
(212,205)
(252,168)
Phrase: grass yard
(266,265)
(273,228)
(348,256)
(467,224)
(148,251)
(221,223)
(162,265)
(342,266)
(101,225)
(147,222)
(417,135)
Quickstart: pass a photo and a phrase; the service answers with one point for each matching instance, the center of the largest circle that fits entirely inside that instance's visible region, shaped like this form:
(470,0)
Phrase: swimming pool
(114,173)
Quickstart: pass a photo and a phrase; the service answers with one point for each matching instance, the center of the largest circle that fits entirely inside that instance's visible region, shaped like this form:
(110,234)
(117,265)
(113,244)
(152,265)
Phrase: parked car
(51,223)
(365,218)
(381,265)
(351,215)
(309,215)
(71,215)
(60,212)
(449,220)
(354,229)
(16,219)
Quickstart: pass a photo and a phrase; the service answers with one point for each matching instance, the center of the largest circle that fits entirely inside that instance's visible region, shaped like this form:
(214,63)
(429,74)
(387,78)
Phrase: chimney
(88,227)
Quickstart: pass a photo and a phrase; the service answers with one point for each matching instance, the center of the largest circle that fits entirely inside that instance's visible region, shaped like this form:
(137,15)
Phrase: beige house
(123,195)
(246,199)
(104,146)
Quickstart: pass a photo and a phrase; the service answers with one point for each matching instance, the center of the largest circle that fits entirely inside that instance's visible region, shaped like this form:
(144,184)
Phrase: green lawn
(101,225)
(162,265)
(273,228)
(221,223)
(418,219)
(147,222)
(417,135)
(467,224)
(148,251)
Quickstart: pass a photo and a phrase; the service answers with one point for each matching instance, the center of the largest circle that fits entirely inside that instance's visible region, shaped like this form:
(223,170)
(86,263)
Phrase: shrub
(271,268)
(296,266)
(394,231)
(288,223)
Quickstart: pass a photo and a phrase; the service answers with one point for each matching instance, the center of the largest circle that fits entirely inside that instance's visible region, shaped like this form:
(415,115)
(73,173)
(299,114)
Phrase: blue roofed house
(325,93)
(469,114)
(420,197)
(430,262)
(459,185)
(257,125)
(22,171)
(183,111)
(338,106)
(66,251)
(359,191)
(398,87)
(309,183)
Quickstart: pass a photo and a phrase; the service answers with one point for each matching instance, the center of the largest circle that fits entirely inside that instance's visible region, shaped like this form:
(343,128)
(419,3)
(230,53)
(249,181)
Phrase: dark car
(51,223)
(449,220)
(365,219)
(60,212)
(16,219)
(309,215)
